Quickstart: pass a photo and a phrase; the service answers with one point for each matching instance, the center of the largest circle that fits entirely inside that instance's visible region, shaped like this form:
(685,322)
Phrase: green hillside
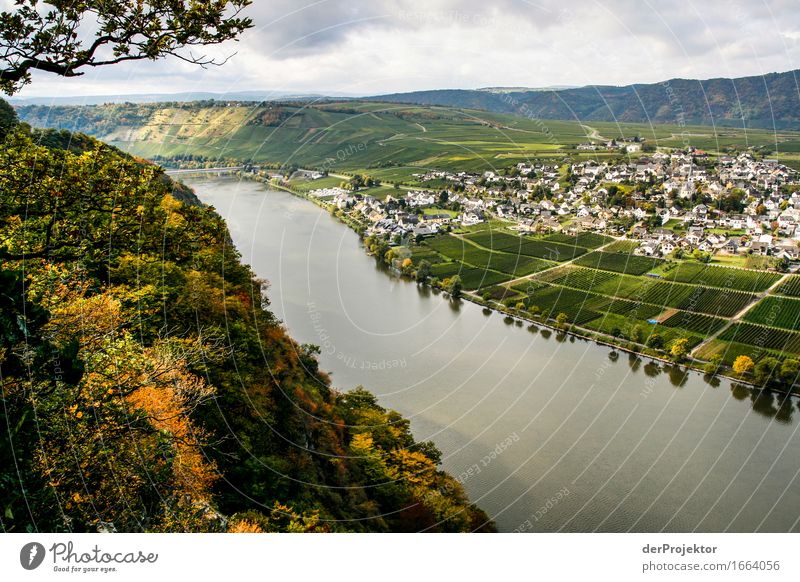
(769,101)
(390,140)
(147,386)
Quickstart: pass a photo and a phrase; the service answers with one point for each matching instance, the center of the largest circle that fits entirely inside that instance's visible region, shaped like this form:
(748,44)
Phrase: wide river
(546,433)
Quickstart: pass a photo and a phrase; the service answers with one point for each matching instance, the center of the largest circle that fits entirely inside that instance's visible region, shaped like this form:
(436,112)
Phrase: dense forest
(766,101)
(146,386)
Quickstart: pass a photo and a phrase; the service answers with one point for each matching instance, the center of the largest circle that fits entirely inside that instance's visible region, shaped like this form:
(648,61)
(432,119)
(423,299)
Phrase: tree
(561,320)
(73,36)
(656,342)
(742,365)
(712,367)
(8,118)
(636,334)
(789,370)
(765,370)
(453,286)
(520,306)
(423,271)
(679,349)
(534,310)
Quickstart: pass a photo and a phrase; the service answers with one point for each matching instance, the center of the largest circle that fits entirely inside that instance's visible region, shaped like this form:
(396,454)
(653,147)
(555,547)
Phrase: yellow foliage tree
(743,365)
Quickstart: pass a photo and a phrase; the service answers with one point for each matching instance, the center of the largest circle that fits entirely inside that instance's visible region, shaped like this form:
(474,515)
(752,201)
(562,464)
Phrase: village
(673,203)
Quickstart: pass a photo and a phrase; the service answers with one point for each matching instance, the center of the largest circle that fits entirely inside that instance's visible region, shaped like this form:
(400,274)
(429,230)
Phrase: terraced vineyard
(463,252)
(619,262)
(780,312)
(790,287)
(588,240)
(541,248)
(713,276)
(759,336)
(617,293)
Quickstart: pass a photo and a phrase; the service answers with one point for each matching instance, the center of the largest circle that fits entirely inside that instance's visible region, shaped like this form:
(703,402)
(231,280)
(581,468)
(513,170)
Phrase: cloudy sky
(379,46)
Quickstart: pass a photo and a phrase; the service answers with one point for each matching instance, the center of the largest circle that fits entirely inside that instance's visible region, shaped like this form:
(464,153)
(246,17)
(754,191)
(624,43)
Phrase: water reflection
(767,403)
(634,362)
(677,376)
(652,369)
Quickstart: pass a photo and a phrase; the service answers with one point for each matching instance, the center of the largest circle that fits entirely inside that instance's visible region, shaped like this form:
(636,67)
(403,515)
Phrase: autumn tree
(68,38)
(679,349)
(453,286)
(742,365)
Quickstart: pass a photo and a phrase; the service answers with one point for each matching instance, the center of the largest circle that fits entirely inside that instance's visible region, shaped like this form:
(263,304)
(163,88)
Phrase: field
(780,312)
(471,277)
(740,279)
(522,245)
(392,141)
(619,262)
(790,287)
(763,337)
(458,250)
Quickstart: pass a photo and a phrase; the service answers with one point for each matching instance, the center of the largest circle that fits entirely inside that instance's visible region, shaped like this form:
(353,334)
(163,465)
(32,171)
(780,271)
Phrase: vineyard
(588,240)
(790,287)
(763,337)
(776,312)
(713,276)
(471,278)
(553,300)
(619,262)
(696,322)
(541,248)
(616,292)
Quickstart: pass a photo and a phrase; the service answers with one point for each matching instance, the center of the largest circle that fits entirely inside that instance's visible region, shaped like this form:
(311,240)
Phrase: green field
(619,262)
(390,141)
(780,312)
(740,279)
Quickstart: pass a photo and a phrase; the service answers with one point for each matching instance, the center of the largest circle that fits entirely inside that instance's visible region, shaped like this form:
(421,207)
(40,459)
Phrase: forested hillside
(147,386)
(766,101)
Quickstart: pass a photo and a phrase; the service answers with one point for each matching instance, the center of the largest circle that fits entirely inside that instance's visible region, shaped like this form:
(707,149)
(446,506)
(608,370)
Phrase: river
(546,433)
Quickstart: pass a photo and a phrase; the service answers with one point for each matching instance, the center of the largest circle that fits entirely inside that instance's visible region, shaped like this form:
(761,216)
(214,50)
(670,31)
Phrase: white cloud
(379,46)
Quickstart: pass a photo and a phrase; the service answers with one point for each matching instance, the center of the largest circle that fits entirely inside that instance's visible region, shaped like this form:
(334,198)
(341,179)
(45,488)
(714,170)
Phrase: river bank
(599,338)
(641,445)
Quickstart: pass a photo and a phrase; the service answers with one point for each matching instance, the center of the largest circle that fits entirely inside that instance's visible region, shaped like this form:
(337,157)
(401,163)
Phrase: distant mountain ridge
(764,101)
(184,97)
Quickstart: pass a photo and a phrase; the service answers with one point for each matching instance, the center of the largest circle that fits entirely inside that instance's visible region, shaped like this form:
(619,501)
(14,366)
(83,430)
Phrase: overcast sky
(367,47)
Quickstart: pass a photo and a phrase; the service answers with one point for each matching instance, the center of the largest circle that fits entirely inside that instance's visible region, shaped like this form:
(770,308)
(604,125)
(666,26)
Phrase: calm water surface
(546,433)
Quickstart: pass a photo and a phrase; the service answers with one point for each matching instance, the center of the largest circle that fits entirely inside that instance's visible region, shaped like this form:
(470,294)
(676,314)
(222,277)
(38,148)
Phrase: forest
(147,387)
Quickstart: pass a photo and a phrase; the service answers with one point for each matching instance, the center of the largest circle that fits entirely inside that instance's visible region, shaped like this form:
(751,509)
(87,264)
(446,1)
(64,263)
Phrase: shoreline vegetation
(147,387)
(686,360)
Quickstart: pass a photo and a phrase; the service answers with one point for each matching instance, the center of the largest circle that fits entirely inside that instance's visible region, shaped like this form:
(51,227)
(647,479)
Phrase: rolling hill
(390,141)
(769,101)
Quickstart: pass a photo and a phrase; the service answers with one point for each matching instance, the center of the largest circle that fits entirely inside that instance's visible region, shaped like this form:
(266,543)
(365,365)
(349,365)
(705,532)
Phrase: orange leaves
(244,526)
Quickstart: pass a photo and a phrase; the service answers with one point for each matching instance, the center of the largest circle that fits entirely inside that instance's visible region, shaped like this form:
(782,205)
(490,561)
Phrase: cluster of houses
(670,201)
